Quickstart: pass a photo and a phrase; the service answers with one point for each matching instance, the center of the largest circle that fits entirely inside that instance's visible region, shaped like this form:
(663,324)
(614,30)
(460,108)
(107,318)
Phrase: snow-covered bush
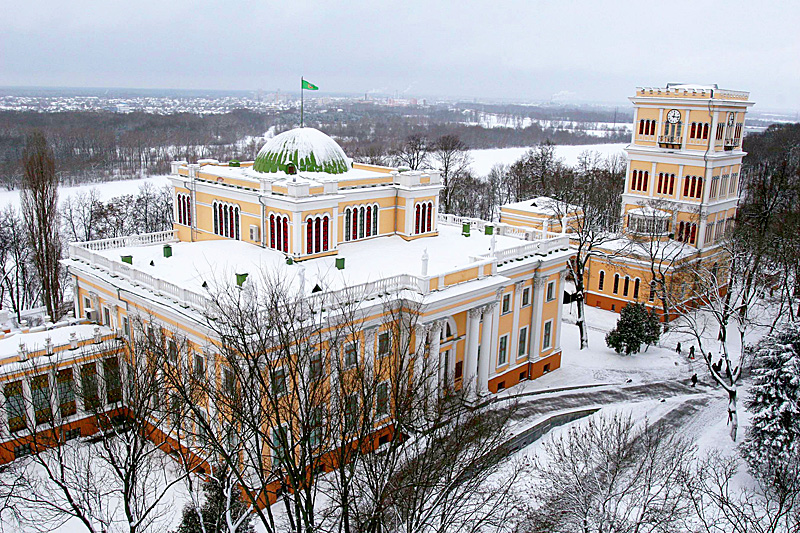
(772,446)
(635,326)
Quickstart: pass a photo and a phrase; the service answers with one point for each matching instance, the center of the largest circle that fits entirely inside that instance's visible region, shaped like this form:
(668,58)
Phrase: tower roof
(308,149)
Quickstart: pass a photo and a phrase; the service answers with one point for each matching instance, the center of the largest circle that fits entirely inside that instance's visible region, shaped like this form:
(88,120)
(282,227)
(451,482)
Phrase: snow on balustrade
(129,240)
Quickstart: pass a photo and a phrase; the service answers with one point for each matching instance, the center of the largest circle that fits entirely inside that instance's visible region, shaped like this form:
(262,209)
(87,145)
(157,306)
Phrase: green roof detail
(308,148)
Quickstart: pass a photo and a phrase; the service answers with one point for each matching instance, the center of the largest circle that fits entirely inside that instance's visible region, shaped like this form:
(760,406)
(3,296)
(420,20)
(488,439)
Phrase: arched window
(652,295)
(369,221)
(680,231)
(705,131)
(286,235)
(660,182)
(416,219)
(226,220)
(646,175)
(641,127)
(374,219)
(325,233)
(272,231)
(625,286)
(694,184)
(699,192)
(693,234)
(636,289)
(672,184)
(616,283)
(317,235)
(601,281)
(361,222)
(429,225)
(686,186)
(355,223)
(310,236)
(693,132)
(347,224)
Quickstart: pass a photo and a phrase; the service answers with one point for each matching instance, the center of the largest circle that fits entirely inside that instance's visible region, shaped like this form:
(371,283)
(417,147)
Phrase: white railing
(143,239)
(500,228)
(540,247)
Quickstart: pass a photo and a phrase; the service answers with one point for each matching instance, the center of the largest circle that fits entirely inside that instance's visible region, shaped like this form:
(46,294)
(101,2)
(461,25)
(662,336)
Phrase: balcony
(730,144)
(670,141)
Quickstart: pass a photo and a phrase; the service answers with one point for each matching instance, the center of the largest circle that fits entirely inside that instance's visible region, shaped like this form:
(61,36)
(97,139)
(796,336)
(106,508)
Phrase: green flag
(309,86)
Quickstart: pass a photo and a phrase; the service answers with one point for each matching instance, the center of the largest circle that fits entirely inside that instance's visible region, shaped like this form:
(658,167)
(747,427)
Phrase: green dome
(308,149)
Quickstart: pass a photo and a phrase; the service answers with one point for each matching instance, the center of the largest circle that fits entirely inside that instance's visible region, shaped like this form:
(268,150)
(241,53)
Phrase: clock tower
(681,187)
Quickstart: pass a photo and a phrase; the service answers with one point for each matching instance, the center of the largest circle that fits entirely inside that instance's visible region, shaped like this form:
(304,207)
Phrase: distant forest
(101,145)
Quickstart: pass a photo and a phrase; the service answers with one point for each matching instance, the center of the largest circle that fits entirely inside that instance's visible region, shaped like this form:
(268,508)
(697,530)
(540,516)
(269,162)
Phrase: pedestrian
(678,348)
(691,352)
(694,380)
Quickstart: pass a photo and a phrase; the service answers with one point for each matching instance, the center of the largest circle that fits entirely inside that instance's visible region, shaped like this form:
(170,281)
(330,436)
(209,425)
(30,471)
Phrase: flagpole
(301,101)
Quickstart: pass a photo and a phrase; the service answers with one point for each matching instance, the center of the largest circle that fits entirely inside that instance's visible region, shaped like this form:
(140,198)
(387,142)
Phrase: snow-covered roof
(649,211)
(308,149)
(541,205)
(217,262)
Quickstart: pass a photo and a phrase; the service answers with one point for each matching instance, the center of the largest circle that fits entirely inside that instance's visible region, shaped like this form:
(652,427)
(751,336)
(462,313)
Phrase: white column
(471,355)
(297,235)
(434,365)
(686,126)
(513,348)
(635,124)
(333,234)
(539,286)
(487,354)
(558,324)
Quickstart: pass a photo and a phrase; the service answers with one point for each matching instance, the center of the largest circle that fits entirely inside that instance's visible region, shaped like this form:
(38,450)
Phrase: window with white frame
(278,381)
(317,234)
(423,219)
(551,291)
(279,232)
(382,400)
(506,306)
(360,222)
(522,345)
(547,335)
(384,343)
(502,351)
(351,354)
(526,296)
(226,220)
(183,208)
(315,367)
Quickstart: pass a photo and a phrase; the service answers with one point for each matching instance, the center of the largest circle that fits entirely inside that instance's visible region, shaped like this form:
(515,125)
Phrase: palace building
(489,293)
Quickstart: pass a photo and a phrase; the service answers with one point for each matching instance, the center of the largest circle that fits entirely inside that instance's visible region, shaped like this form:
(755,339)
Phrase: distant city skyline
(539,51)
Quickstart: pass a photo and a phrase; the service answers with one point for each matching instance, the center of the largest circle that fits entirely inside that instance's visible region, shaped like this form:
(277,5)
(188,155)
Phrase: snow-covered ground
(484,160)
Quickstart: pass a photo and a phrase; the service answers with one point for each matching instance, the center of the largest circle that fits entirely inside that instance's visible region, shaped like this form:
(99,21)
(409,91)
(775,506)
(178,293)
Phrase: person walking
(678,349)
(694,380)
(691,352)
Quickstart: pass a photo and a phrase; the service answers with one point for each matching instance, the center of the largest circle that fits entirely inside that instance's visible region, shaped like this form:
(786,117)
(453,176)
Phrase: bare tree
(19,288)
(413,152)
(40,211)
(451,155)
(608,475)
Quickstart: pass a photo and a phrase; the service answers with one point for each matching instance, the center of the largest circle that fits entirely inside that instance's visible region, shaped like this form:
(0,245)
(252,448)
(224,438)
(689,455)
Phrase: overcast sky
(524,50)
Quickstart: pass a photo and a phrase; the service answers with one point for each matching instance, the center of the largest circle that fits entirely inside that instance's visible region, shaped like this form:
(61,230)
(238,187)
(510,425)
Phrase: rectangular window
(526,296)
(547,335)
(279,381)
(66,392)
(89,392)
(502,352)
(106,317)
(551,291)
(315,421)
(87,306)
(199,366)
(506,303)
(459,370)
(351,355)
(315,366)
(172,351)
(384,343)
(15,407)
(382,401)
(22,450)
(228,382)
(40,391)
(113,380)
(523,341)
(351,413)
(126,327)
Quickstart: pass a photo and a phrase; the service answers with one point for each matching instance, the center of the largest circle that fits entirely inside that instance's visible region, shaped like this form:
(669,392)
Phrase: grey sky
(587,50)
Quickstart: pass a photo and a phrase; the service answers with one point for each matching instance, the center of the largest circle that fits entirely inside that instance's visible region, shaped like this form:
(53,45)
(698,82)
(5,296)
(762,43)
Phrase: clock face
(674,116)
(731,118)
